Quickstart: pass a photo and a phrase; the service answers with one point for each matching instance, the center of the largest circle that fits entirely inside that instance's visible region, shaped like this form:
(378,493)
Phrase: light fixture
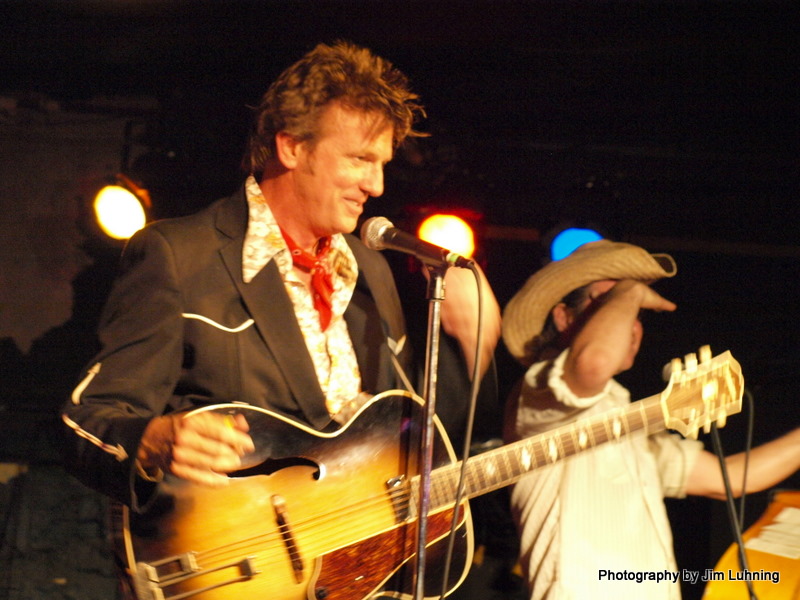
(569,239)
(448,231)
(120,209)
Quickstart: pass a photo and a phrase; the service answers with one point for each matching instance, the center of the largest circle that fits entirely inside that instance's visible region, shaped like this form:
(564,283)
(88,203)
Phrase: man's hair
(341,72)
(551,341)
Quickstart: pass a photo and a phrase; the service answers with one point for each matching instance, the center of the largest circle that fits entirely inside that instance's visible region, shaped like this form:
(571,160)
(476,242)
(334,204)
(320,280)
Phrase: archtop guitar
(332,515)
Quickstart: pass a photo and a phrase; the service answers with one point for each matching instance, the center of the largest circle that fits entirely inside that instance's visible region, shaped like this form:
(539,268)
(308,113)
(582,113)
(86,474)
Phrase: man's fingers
(206,446)
(201,476)
(227,429)
(201,448)
(649,298)
(204,453)
(658,303)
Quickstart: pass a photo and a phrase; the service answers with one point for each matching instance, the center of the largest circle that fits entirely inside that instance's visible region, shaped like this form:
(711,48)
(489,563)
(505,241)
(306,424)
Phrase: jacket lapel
(388,303)
(268,303)
(376,338)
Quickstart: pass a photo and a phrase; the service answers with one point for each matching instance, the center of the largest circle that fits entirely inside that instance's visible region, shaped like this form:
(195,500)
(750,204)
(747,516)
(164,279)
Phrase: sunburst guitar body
(333,515)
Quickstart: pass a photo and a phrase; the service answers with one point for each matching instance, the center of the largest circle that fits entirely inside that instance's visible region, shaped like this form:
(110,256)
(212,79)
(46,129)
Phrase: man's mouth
(356,204)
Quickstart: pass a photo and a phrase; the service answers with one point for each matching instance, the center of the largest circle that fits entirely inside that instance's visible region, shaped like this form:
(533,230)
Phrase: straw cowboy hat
(525,314)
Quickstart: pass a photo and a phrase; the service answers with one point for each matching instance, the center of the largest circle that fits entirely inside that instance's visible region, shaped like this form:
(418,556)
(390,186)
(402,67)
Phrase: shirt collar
(264,240)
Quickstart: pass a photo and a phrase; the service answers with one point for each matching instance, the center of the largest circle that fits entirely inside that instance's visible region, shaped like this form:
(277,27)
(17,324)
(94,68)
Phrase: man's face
(344,168)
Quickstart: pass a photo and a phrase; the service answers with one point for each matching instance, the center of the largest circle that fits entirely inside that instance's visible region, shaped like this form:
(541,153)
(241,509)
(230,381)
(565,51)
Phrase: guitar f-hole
(273,465)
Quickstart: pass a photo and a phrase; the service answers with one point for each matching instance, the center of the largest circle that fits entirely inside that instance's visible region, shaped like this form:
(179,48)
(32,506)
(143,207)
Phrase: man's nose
(372,183)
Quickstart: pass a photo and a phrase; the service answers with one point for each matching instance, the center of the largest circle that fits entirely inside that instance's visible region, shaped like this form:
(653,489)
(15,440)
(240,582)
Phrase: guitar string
(268,563)
(444,475)
(327,528)
(569,442)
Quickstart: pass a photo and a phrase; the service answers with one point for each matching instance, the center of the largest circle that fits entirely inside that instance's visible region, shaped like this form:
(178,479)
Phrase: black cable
(733,518)
(473,402)
(748,446)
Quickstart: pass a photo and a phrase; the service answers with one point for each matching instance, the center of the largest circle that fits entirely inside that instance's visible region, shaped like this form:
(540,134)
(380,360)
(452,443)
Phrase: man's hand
(642,294)
(201,447)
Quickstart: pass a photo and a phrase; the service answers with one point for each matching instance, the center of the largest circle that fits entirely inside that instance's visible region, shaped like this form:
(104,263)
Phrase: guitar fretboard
(695,397)
(708,394)
(505,465)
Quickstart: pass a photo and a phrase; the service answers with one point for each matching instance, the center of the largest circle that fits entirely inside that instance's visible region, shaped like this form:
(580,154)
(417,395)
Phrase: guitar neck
(505,465)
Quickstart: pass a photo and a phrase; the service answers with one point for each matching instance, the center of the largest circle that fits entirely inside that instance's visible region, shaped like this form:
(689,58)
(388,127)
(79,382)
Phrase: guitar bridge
(152,579)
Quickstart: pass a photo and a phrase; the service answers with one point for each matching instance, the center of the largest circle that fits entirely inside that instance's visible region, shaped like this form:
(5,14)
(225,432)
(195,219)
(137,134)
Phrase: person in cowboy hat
(595,526)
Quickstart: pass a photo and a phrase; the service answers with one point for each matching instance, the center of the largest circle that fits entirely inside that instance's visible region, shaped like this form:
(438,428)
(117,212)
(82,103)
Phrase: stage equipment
(121,208)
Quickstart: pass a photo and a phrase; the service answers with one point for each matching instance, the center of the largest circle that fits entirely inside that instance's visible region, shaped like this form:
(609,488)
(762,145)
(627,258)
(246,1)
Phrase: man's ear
(562,316)
(287,149)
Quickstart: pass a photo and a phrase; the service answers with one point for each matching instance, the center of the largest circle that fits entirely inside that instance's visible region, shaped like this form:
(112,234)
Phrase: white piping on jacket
(241,327)
(76,393)
(117,451)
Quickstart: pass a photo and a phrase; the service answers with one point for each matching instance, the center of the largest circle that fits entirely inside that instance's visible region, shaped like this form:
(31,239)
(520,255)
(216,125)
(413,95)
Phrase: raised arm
(460,316)
(607,332)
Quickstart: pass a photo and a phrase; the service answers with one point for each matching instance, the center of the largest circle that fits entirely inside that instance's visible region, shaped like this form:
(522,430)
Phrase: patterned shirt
(331,350)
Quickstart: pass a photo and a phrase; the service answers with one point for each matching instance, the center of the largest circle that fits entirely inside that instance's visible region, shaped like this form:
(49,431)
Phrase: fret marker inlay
(552,451)
(582,439)
(526,458)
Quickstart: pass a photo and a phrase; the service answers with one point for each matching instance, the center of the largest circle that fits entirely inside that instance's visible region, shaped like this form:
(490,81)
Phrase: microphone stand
(435,297)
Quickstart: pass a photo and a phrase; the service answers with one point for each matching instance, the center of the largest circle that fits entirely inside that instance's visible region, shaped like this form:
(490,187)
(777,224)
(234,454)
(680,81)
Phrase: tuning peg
(690,361)
(671,370)
(722,418)
(676,366)
(705,353)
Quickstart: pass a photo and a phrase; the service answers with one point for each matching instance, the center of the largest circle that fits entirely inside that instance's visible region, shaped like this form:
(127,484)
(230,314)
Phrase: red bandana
(321,276)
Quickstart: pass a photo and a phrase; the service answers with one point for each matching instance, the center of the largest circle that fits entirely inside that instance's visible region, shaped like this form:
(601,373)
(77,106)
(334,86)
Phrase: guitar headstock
(702,391)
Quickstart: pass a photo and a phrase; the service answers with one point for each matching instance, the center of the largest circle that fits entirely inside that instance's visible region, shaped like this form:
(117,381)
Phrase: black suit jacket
(181,329)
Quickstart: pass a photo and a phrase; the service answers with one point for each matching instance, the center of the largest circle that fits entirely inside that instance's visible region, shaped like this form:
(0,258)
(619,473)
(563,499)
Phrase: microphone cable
(735,520)
(473,401)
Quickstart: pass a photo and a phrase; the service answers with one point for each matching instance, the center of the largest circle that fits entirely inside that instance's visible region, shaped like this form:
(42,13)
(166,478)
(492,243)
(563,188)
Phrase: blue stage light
(568,240)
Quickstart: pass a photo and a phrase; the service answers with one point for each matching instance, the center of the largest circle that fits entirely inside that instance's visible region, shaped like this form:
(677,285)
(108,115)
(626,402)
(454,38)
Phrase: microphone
(378,233)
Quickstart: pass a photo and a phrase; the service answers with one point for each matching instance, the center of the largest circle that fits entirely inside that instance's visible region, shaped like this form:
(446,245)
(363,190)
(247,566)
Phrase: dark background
(669,124)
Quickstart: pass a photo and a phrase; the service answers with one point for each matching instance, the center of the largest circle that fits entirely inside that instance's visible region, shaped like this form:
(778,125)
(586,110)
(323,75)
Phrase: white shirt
(595,518)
